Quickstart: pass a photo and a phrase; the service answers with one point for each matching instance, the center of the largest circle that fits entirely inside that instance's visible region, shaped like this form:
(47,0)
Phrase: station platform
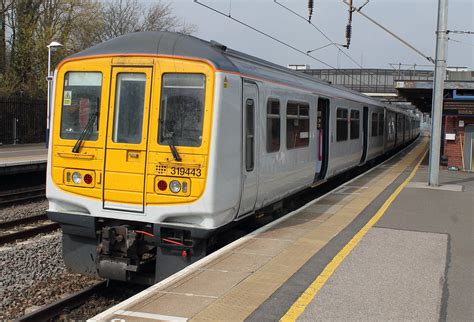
(22,158)
(383,246)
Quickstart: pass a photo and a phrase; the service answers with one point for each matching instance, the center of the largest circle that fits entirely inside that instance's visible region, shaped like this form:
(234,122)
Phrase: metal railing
(369,80)
(22,120)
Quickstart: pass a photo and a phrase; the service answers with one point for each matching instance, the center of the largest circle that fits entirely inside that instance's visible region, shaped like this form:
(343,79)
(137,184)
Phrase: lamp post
(51,46)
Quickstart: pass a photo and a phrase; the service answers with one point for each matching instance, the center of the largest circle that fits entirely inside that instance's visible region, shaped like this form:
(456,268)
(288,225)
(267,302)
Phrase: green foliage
(28,26)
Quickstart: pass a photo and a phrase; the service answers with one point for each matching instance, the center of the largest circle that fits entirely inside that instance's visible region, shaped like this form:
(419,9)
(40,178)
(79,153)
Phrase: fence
(22,120)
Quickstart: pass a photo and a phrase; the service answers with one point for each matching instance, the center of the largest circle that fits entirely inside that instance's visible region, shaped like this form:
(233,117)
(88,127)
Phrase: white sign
(450,136)
(461,123)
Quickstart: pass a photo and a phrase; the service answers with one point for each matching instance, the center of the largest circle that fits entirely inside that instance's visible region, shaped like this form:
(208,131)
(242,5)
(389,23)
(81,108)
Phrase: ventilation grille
(161,169)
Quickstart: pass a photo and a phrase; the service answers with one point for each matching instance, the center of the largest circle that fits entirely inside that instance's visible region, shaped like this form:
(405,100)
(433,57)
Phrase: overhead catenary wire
(271,37)
(461,32)
(461,42)
(327,37)
(358,10)
(327,45)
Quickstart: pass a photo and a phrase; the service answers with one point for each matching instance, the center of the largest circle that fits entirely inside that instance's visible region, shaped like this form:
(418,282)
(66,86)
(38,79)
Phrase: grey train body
(275,132)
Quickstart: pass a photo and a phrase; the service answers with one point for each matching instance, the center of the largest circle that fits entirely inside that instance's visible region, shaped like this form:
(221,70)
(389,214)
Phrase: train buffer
(22,158)
(384,246)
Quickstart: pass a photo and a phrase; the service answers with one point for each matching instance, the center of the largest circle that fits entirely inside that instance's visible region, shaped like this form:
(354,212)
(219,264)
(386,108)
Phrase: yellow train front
(129,148)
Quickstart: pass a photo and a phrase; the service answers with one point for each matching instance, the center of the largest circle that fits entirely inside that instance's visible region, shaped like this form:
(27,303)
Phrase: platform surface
(23,154)
(375,248)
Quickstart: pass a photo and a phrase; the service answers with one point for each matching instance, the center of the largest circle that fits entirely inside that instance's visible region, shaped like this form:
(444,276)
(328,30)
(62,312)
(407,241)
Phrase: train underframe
(134,252)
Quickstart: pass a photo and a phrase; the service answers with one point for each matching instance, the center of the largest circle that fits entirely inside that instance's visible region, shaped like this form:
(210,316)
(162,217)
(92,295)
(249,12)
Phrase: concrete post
(438,89)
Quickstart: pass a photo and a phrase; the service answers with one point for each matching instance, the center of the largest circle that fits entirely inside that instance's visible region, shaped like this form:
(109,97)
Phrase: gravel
(23,210)
(33,274)
(116,292)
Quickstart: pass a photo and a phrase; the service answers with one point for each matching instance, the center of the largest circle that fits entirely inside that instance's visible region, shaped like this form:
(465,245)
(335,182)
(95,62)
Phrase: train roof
(161,43)
(223,58)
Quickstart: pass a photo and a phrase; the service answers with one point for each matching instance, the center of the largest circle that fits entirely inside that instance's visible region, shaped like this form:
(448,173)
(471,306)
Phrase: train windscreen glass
(182,109)
(80,104)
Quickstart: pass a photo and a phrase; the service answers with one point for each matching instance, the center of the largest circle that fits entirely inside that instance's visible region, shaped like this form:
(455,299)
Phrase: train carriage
(161,139)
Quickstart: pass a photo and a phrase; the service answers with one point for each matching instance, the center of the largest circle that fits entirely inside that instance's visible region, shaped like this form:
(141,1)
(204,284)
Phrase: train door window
(81,105)
(355,124)
(399,123)
(129,106)
(342,124)
(250,134)
(381,123)
(374,124)
(297,125)
(182,109)
(273,125)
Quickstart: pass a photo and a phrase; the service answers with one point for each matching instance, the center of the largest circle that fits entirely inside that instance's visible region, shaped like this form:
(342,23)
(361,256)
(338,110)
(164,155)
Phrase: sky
(413,20)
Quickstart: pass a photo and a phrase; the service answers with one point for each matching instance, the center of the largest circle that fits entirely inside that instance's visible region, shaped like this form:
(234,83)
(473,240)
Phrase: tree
(28,26)
(125,16)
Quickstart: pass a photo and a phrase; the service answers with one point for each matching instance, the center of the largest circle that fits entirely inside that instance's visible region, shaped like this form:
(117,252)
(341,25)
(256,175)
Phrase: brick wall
(454,149)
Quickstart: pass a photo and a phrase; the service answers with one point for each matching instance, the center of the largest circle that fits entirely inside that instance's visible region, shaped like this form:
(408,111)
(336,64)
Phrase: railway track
(25,228)
(22,194)
(63,306)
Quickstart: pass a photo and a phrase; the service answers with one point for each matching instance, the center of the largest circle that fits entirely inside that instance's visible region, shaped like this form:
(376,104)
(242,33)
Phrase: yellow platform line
(308,295)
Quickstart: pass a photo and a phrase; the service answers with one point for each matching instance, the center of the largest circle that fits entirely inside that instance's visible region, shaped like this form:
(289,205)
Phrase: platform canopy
(420,93)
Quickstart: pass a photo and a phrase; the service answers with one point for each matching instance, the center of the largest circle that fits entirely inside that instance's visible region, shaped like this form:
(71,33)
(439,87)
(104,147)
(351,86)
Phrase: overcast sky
(413,20)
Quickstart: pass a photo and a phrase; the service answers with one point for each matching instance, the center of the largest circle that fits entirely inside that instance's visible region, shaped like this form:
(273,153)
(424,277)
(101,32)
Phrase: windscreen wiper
(174,151)
(170,139)
(86,132)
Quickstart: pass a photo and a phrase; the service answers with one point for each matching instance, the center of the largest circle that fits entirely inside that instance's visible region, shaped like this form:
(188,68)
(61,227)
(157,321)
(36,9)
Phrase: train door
(469,147)
(250,146)
(126,142)
(365,133)
(322,126)
(397,126)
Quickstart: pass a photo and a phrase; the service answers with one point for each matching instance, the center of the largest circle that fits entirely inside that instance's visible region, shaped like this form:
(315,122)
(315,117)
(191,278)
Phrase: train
(160,140)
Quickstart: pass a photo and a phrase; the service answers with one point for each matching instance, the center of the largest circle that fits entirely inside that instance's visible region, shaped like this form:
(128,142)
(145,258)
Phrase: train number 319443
(178,171)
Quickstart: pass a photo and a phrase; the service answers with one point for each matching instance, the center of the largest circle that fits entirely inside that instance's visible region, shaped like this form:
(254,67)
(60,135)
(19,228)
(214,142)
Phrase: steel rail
(22,221)
(56,309)
(28,233)
(11,196)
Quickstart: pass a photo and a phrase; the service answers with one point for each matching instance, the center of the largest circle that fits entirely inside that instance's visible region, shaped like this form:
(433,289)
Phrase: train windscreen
(182,109)
(80,104)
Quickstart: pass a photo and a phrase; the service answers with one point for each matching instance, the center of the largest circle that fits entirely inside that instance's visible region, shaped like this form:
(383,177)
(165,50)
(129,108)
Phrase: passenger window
(381,124)
(355,124)
(250,135)
(297,125)
(129,106)
(81,105)
(182,109)
(375,119)
(341,124)
(273,125)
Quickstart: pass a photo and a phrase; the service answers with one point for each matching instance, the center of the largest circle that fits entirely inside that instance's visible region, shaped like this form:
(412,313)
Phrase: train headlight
(76,177)
(175,186)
